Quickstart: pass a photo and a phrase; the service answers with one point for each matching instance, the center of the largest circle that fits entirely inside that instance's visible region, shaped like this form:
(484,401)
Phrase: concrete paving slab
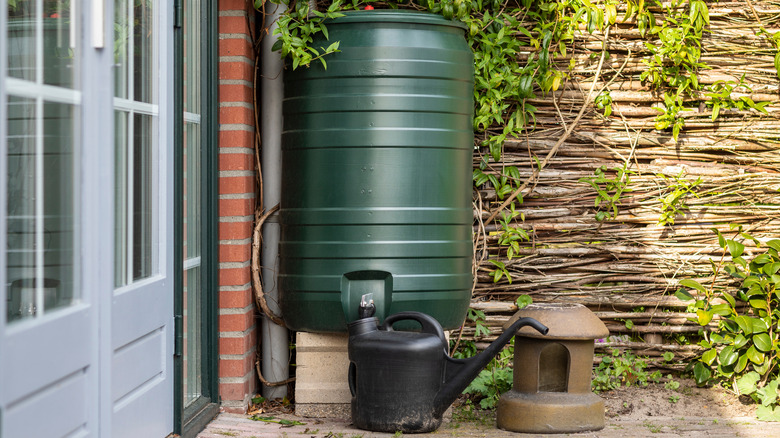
(241,426)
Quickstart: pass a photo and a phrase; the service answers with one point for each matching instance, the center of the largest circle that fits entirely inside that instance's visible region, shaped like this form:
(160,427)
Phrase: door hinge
(177,14)
(178,335)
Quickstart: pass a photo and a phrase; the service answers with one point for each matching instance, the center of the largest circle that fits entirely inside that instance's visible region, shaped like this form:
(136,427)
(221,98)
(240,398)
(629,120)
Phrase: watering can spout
(460,372)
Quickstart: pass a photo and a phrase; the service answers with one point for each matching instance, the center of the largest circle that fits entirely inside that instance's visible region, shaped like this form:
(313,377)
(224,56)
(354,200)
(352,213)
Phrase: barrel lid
(565,321)
(397,16)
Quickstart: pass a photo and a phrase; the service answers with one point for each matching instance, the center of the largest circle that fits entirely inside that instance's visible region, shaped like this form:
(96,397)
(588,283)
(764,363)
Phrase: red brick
(235,391)
(233,24)
(236,70)
(236,207)
(235,47)
(234,277)
(235,230)
(238,345)
(236,184)
(237,139)
(232,5)
(236,367)
(236,162)
(235,299)
(237,322)
(235,115)
(235,93)
(234,253)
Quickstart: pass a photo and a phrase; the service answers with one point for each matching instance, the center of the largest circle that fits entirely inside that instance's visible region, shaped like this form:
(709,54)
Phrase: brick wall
(237,328)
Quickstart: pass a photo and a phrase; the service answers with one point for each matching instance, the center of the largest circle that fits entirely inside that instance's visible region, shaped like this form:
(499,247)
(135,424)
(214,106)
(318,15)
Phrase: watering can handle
(428,323)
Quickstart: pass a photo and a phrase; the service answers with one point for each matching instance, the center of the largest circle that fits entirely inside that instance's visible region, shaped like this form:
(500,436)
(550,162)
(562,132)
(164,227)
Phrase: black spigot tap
(367,308)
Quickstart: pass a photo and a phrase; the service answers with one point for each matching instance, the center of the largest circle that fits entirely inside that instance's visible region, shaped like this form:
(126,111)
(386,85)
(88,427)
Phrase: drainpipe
(275,347)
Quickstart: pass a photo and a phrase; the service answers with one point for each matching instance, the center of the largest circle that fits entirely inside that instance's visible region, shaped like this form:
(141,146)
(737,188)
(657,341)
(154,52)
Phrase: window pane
(192,59)
(193,362)
(142,168)
(21,40)
(192,190)
(58,57)
(143,51)
(121,202)
(40,229)
(20,263)
(134,50)
(59,200)
(122,32)
(134,199)
(52,29)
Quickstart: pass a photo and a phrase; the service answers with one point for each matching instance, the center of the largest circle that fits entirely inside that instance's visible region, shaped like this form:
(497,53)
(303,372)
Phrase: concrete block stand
(321,387)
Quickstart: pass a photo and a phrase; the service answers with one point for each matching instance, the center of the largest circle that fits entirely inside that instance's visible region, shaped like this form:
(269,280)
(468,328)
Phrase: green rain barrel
(376,173)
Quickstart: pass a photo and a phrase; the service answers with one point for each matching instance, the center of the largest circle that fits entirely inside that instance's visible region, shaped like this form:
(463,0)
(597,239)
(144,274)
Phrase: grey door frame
(194,418)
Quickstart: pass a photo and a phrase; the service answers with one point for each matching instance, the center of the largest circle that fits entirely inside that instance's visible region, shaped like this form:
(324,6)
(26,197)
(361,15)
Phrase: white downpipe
(274,343)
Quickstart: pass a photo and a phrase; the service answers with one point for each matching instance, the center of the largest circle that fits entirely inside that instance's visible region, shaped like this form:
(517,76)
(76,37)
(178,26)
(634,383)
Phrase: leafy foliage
(496,378)
(296,30)
(743,350)
(609,190)
(621,368)
(493,381)
(673,198)
(719,98)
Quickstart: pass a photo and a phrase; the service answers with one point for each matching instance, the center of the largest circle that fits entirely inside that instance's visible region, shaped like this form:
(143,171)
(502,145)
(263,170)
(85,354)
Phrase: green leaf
(722,309)
(763,368)
(768,413)
(768,394)
(758,303)
(762,341)
(746,384)
(701,373)
(759,326)
(745,324)
(709,356)
(755,356)
(523,301)
(727,296)
(735,248)
(777,64)
(740,341)
(704,316)
(762,259)
(692,284)
(771,268)
(728,356)
(683,295)
(741,363)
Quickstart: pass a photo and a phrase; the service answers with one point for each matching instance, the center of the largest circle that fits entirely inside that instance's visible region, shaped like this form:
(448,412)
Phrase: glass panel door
(192,208)
(135,99)
(48,316)
(42,131)
(96,344)
(197,197)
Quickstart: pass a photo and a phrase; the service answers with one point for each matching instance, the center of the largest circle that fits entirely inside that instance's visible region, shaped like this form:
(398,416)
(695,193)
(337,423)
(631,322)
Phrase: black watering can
(404,381)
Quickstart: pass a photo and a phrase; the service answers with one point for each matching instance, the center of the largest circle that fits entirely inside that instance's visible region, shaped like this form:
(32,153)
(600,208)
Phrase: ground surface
(653,411)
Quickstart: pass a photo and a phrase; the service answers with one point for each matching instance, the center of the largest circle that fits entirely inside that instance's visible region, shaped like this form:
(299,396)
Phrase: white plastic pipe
(274,341)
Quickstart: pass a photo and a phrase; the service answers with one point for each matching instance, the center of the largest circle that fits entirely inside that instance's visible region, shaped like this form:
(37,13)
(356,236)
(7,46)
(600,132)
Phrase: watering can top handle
(428,323)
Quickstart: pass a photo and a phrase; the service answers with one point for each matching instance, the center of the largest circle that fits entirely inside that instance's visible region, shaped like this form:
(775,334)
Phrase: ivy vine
(523,49)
